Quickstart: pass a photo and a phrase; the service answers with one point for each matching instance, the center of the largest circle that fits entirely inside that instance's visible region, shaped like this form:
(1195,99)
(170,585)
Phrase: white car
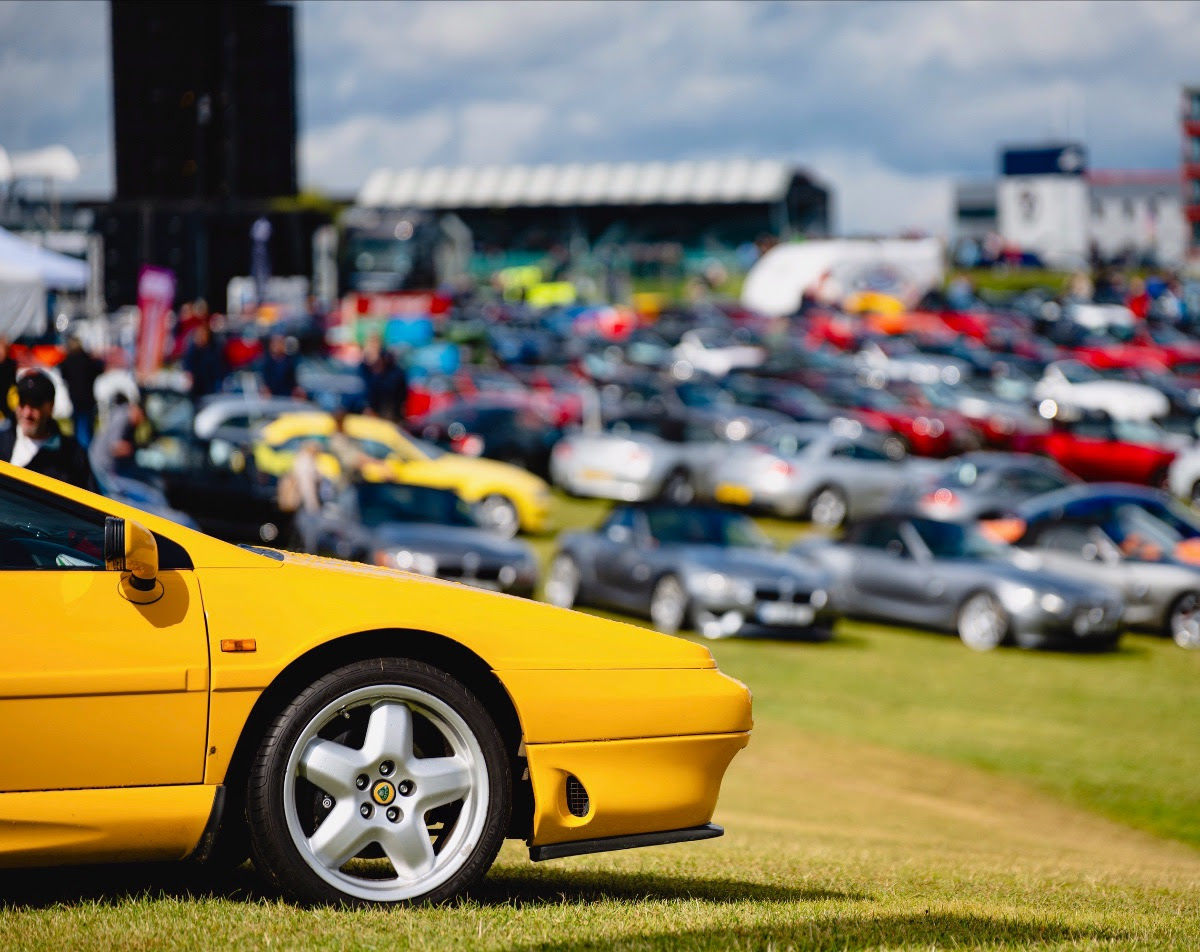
(1076,386)
(1183,476)
(711,351)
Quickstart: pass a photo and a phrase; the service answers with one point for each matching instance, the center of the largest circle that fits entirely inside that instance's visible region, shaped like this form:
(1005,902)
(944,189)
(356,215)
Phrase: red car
(1098,448)
(923,432)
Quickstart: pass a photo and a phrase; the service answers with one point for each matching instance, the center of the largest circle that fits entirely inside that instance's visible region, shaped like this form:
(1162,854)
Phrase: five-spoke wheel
(384,781)
(982,622)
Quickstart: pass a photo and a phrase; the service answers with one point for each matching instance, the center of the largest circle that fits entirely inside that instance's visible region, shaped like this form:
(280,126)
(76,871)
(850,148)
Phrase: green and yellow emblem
(383,793)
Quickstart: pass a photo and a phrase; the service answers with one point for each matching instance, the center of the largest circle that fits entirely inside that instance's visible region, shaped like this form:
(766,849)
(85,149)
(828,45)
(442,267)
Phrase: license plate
(782,613)
(733,494)
(598,474)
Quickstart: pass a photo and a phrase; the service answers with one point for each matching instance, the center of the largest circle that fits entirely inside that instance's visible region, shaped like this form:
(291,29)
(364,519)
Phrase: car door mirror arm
(129,548)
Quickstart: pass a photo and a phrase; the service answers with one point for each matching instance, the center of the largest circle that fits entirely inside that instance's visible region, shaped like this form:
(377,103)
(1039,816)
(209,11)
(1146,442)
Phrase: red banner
(156,295)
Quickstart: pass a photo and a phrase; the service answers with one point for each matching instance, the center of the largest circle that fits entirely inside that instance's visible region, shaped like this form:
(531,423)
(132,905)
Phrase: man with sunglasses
(36,443)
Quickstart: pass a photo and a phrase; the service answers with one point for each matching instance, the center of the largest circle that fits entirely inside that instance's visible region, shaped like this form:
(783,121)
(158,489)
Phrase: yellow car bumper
(588,791)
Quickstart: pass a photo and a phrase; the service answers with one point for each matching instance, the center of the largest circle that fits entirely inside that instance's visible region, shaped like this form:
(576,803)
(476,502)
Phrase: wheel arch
(429,647)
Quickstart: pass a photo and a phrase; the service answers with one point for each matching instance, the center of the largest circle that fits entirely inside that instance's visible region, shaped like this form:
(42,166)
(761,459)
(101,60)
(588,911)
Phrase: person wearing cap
(36,443)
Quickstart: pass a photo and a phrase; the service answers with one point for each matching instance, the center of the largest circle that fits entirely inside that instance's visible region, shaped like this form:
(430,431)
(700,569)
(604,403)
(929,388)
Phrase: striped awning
(623,183)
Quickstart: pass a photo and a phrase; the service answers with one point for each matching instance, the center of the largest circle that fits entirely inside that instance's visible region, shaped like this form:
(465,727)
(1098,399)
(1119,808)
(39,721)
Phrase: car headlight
(717,585)
(1017,598)
(422,563)
(819,598)
(1052,603)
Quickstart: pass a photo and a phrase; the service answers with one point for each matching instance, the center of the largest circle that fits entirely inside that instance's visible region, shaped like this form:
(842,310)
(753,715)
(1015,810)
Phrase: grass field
(899,792)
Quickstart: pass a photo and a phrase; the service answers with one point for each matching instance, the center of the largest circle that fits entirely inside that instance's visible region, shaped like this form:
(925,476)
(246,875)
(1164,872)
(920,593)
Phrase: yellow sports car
(367,735)
(507,498)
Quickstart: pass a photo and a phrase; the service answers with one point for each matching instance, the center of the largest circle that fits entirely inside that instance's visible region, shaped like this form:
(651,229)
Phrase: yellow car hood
(327,598)
(457,470)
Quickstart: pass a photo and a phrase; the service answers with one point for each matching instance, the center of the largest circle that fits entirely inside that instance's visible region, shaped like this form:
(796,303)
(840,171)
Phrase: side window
(884,536)
(38,531)
(1071,538)
(620,526)
(859,451)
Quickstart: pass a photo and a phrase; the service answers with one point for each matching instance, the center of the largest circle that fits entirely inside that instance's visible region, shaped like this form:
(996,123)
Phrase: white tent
(22,302)
(833,269)
(27,271)
(56,271)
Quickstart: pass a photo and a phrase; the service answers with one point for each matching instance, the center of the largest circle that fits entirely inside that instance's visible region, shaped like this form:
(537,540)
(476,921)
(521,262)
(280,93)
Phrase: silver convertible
(642,455)
(826,472)
(690,567)
(949,576)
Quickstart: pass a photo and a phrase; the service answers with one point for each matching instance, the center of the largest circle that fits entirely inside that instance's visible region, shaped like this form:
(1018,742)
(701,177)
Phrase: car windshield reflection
(390,502)
(705,527)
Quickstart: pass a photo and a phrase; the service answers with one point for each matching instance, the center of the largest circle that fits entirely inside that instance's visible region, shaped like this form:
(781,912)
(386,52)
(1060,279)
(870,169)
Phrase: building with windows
(1047,203)
(698,206)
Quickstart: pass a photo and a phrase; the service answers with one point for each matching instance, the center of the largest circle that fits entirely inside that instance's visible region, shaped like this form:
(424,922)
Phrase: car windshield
(705,527)
(785,442)
(950,540)
(391,502)
(1074,372)
(962,476)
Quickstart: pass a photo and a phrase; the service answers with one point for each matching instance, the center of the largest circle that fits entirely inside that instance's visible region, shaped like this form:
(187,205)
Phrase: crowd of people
(112,430)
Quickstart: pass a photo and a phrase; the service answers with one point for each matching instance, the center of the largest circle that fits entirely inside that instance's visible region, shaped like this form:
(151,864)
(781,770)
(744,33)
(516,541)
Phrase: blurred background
(405,282)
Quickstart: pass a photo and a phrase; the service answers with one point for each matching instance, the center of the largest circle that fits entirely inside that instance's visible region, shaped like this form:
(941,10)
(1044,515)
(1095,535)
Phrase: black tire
(829,507)
(1196,493)
(669,605)
(1183,621)
(982,622)
(896,447)
(369,730)
(563,581)
(499,513)
(677,488)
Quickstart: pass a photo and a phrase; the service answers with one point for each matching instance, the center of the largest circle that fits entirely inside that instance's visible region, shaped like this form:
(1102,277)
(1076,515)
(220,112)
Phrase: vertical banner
(156,295)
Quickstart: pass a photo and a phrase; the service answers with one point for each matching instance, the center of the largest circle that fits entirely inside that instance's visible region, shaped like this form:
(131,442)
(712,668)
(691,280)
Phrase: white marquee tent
(27,271)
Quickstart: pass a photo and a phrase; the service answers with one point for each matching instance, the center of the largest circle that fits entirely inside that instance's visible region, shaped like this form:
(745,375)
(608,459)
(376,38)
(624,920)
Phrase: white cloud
(340,157)
(870,198)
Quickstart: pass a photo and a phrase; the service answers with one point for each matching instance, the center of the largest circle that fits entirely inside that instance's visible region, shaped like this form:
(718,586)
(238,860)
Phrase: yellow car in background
(365,734)
(506,498)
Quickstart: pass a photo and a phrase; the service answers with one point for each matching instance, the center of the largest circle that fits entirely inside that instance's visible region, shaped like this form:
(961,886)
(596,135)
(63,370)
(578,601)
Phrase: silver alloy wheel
(1184,623)
(562,581)
(828,509)
(359,816)
(982,623)
(668,605)
(498,513)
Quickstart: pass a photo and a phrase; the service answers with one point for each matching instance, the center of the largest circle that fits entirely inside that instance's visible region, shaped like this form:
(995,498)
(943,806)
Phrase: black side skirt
(607,843)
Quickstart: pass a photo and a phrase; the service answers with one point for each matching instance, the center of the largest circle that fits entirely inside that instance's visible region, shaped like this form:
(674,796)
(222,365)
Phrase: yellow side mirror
(129,548)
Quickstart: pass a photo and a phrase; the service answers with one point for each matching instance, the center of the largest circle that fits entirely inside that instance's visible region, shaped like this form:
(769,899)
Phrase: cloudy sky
(887,102)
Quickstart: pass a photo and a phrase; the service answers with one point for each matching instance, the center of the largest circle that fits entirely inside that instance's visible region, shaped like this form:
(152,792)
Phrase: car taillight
(469,445)
(637,454)
(941,499)
(562,449)
(780,468)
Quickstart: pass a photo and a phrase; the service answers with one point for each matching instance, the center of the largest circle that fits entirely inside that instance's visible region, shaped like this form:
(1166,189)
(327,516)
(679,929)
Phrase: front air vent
(578,803)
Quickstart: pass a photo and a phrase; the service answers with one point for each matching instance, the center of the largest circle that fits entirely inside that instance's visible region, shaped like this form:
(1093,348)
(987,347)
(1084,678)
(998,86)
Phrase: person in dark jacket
(36,443)
(278,369)
(205,362)
(79,371)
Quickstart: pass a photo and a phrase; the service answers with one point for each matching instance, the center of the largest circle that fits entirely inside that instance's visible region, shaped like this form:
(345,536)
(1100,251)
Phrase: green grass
(899,792)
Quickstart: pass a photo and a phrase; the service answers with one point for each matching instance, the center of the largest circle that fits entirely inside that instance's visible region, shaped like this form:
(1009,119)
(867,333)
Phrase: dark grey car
(949,576)
(427,531)
(983,485)
(698,567)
